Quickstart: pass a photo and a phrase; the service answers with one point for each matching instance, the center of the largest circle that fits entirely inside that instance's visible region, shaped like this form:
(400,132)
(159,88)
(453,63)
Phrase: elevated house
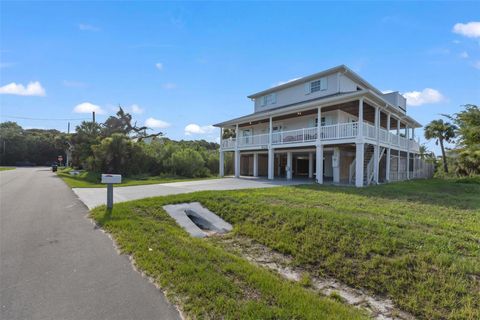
(331,126)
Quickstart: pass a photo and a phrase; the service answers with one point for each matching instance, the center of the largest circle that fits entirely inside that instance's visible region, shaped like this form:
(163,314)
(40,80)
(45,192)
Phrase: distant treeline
(20,146)
(115,146)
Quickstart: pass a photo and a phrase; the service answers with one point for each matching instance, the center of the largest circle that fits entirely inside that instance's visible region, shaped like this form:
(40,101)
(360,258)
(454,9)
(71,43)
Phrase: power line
(44,119)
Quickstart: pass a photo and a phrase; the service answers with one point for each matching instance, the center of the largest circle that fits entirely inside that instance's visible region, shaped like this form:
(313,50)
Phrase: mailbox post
(110,179)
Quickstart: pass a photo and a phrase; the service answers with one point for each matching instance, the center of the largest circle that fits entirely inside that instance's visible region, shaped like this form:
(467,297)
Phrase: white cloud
(87,107)
(32,89)
(464,55)
(156,124)
(87,27)
(135,108)
(193,128)
(426,96)
(169,86)
(470,29)
(159,66)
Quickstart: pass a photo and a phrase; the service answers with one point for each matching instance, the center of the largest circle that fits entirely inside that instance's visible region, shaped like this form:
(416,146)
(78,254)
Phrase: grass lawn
(6,168)
(417,242)
(92,180)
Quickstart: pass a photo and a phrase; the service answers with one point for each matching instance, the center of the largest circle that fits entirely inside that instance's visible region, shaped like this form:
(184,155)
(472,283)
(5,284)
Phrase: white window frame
(316,85)
(268,99)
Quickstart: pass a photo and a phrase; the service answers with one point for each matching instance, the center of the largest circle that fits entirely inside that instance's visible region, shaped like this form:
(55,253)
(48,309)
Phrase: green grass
(92,180)
(205,280)
(6,168)
(417,242)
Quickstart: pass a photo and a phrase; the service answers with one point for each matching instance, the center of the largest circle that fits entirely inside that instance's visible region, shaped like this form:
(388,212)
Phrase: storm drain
(197,220)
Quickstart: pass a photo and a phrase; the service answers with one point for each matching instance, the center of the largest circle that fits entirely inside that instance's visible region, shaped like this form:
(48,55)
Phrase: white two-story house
(332,126)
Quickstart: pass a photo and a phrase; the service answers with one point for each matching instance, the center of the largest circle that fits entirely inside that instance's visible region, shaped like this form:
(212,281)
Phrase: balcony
(339,131)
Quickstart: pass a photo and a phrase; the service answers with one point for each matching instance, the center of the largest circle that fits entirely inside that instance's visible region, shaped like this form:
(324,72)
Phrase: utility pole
(93,116)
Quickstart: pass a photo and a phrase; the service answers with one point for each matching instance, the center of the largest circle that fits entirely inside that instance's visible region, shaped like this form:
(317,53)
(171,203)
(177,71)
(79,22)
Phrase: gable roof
(341,68)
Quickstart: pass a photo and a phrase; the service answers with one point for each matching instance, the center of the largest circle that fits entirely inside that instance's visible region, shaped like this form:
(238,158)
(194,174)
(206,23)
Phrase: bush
(188,163)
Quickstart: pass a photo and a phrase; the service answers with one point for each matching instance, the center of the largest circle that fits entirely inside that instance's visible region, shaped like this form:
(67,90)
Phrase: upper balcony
(346,122)
(329,134)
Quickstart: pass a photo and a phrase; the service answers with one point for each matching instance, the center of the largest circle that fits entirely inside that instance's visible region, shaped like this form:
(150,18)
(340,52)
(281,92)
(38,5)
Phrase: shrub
(188,163)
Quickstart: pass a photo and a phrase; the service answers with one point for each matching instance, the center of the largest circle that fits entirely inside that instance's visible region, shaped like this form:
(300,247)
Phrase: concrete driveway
(93,197)
(54,264)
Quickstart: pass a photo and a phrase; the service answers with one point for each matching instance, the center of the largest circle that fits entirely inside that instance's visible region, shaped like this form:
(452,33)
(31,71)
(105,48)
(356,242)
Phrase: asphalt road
(55,265)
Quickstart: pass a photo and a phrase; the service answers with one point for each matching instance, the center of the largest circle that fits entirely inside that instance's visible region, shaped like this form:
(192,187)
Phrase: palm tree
(442,132)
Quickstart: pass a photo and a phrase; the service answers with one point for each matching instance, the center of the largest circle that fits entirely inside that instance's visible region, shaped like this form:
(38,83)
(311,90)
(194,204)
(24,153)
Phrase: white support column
(336,165)
(270,131)
(319,125)
(398,164)
(376,149)
(359,158)
(408,151)
(387,171)
(289,168)
(319,164)
(360,118)
(255,164)
(310,165)
(221,163)
(271,158)
(236,159)
(237,163)
(376,160)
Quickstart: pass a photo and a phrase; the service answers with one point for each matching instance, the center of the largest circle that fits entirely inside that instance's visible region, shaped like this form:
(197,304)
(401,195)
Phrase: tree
(122,123)
(467,152)
(425,154)
(442,132)
(188,163)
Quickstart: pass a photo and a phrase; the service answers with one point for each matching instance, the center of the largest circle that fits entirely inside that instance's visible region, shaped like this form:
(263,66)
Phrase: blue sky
(179,64)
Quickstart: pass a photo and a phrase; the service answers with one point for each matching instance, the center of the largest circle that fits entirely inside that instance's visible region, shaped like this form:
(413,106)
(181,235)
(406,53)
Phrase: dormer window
(268,99)
(315,86)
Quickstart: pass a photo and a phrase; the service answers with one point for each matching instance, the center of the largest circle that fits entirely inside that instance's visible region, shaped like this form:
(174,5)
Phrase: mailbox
(111,178)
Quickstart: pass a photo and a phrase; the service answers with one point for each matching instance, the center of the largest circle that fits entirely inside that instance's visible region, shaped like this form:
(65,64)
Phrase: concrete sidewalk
(93,197)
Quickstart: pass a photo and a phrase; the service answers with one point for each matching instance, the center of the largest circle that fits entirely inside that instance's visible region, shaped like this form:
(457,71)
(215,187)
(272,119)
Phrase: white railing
(254,140)
(414,146)
(393,139)
(369,131)
(383,135)
(402,142)
(339,131)
(295,136)
(228,143)
(330,132)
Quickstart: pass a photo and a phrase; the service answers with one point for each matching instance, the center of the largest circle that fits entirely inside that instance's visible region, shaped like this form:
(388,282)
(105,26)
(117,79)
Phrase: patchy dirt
(378,307)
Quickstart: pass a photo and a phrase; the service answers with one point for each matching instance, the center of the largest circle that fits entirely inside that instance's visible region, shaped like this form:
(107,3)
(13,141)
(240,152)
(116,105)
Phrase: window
(315,86)
(268,99)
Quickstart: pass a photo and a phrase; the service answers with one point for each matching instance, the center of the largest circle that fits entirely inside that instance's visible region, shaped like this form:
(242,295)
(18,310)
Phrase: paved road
(55,265)
(93,197)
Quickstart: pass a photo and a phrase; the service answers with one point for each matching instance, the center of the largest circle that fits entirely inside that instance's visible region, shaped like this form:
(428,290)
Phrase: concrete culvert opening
(197,220)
